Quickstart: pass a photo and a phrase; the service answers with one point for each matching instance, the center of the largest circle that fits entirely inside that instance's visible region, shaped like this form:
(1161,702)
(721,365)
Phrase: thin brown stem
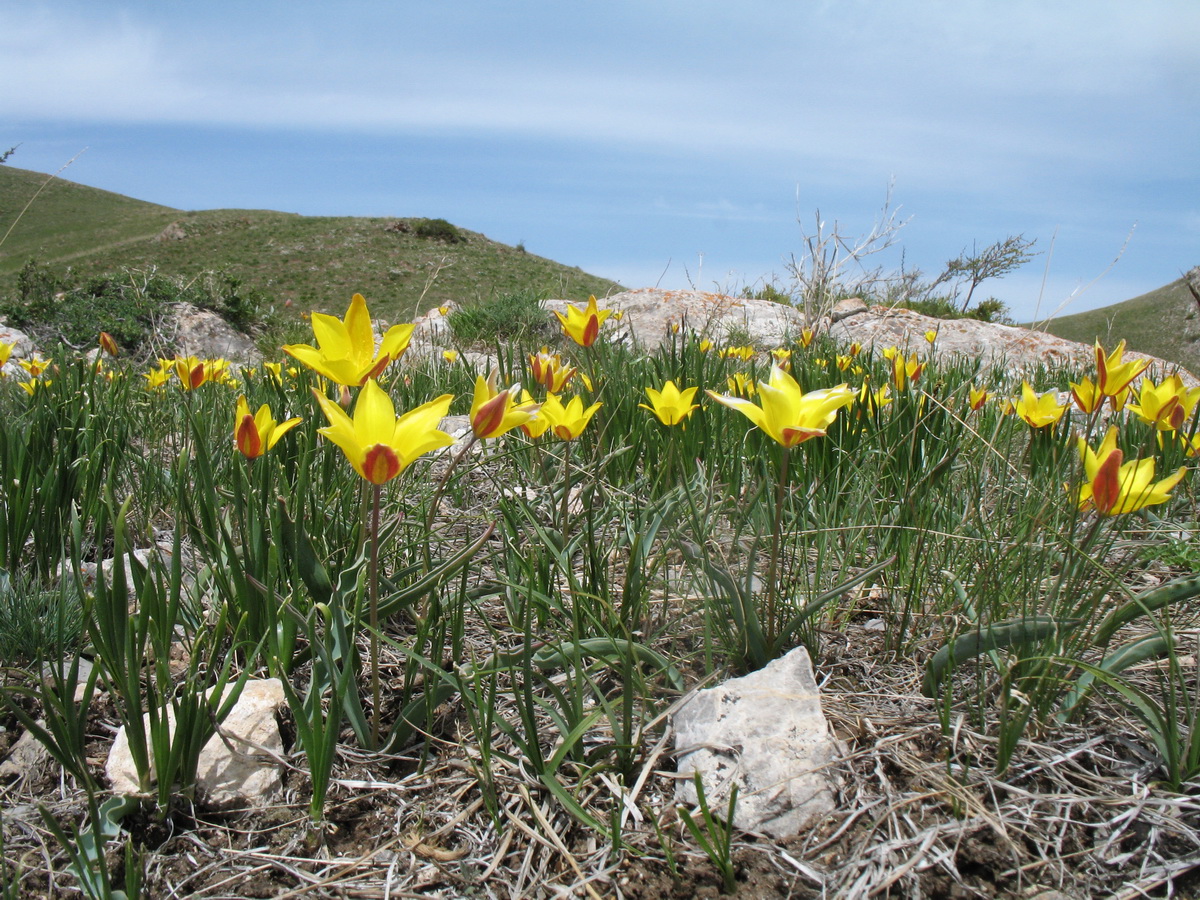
(776,541)
(373,589)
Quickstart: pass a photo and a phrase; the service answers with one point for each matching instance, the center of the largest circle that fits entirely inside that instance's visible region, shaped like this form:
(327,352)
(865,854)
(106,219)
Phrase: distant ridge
(317,262)
(1164,322)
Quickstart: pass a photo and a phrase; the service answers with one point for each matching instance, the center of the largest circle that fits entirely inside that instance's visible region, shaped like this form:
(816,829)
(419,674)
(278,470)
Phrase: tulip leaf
(402,598)
(312,571)
(1147,602)
(1150,646)
(817,604)
(1022,631)
(611,650)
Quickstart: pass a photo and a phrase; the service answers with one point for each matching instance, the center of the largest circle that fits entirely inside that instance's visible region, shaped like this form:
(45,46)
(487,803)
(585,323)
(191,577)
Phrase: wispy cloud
(692,115)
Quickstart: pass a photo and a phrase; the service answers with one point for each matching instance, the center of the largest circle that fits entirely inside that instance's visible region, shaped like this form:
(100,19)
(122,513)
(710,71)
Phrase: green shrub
(438,230)
(767,292)
(503,317)
(990,310)
(57,307)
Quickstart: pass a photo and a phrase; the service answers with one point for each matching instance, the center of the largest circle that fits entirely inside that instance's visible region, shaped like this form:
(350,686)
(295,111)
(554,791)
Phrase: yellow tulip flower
(904,370)
(536,425)
(566,422)
(976,398)
(741,385)
(156,378)
(1088,397)
(378,444)
(345,351)
(671,405)
(788,415)
(254,435)
(1112,374)
(494,412)
(745,354)
(1039,410)
(548,370)
(108,343)
(1115,486)
(6,350)
(190,371)
(583,325)
(1166,406)
(806,337)
(36,367)
(874,399)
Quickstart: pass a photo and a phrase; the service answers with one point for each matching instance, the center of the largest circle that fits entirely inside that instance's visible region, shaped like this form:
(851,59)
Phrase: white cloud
(857,86)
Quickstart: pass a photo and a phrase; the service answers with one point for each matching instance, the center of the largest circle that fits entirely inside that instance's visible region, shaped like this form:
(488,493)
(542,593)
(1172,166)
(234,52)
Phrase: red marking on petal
(1106,486)
(488,417)
(249,441)
(590,331)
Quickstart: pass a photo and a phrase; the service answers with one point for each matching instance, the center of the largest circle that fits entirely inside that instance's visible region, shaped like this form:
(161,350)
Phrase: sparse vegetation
(315,262)
(512,625)
(480,650)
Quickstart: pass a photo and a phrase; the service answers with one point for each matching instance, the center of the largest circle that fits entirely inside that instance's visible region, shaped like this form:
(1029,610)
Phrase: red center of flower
(380,464)
(590,331)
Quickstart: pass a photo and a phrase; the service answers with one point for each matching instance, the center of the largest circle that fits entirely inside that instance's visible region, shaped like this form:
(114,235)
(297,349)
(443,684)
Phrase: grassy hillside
(1164,322)
(67,218)
(317,262)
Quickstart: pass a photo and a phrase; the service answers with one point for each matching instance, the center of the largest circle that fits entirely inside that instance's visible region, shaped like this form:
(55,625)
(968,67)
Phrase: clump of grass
(38,622)
(515,317)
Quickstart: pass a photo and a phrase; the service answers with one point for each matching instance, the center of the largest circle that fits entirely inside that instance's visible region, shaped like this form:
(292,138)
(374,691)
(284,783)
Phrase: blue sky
(665,142)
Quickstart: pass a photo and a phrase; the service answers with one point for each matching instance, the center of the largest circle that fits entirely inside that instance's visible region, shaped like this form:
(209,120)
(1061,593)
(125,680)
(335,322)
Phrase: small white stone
(766,733)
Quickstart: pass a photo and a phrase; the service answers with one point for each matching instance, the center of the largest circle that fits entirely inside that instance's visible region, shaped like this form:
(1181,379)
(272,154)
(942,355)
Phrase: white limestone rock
(766,733)
(649,315)
(238,767)
(241,765)
(204,334)
(26,758)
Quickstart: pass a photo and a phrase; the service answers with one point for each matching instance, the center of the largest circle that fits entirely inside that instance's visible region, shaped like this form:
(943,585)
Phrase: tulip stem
(566,496)
(441,489)
(373,596)
(776,541)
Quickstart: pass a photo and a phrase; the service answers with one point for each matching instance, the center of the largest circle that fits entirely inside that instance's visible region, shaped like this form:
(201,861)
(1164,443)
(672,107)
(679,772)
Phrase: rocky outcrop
(1013,349)
(204,334)
(22,348)
(649,315)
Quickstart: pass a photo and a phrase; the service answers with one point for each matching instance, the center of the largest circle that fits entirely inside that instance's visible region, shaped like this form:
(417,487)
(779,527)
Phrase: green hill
(317,262)
(1164,323)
